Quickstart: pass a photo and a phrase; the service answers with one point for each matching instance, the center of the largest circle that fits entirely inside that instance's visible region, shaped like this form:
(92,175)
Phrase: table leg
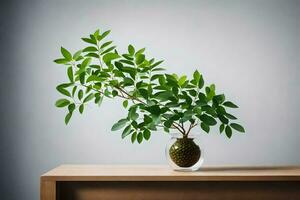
(48,190)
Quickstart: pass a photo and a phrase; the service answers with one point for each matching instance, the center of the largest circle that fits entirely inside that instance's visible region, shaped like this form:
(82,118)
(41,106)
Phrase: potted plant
(154,100)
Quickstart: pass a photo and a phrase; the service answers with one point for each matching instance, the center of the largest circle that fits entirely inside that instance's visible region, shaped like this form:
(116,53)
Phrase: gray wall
(249,49)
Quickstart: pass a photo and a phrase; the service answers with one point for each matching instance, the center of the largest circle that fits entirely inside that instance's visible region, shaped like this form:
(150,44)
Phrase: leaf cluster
(154,99)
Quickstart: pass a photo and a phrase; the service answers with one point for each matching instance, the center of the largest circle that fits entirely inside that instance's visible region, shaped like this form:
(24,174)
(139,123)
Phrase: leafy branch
(153,99)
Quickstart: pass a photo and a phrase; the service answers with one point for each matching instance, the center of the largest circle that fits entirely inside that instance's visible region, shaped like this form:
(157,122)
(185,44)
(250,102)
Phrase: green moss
(185,152)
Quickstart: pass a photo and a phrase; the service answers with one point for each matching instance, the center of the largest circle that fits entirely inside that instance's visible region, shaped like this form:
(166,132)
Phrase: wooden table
(128,182)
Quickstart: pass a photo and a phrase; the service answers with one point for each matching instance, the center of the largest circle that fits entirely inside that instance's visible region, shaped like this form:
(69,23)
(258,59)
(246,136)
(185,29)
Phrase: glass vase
(183,152)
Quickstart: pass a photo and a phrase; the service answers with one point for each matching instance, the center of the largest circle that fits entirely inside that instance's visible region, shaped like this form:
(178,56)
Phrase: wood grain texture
(164,173)
(212,190)
(47,190)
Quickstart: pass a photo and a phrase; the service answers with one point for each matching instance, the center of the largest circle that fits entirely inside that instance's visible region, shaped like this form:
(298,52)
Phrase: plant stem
(180,130)
(192,125)
(99,54)
(179,127)
(130,97)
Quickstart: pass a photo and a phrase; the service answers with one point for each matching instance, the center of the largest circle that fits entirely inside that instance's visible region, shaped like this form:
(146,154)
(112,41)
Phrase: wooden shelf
(134,182)
(164,173)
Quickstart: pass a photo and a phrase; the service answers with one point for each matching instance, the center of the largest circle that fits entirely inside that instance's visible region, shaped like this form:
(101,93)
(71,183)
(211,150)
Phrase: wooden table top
(164,173)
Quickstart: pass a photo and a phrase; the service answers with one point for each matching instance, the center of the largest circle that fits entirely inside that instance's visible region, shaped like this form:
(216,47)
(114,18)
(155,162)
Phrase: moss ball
(185,152)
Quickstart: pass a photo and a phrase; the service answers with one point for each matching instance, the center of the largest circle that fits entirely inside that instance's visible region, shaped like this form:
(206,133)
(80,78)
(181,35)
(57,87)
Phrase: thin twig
(179,127)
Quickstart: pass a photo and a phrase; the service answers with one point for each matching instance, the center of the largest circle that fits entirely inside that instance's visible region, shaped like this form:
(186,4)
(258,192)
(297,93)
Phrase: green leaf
(187,115)
(131,50)
(91,54)
(209,110)
(146,134)
(139,59)
(125,103)
(93,37)
(223,119)
(208,120)
(221,128)
(156,76)
(140,137)
(171,79)
(196,76)
(219,98)
(201,82)
(108,50)
(82,78)
(230,104)
(62,103)
(140,51)
(182,80)
(143,93)
(163,96)
(228,131)
(147,119)
(230,116)
(107,58)
(128,57)
(205,127)
(120,66)
(134,124)
(156,64)
(168,123)
(90,49)
(70,74)
(96,34)
(61,61)
(66,54)
(71,107)
(120,124)
(105,34)
(212,87)
(202,99)
(210,92)
(221,110)
(155,110)
(126,131)
(237,127)
(197,110)
(97,98)
(105,44)
(93,78)
(130,70)
(77,54)
(79,58)
(114,93)
(88,98)
(81,108)
(127,62)
(88,89)
(133,115)
(107,93)
(133,137)
(80,94)
(62,90)
(128,81)
(175,91)
(88,40)
(97,86)
(85,62)
(68,117)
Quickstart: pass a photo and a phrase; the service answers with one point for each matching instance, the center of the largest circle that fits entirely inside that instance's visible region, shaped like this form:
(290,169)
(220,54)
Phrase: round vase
(183,152)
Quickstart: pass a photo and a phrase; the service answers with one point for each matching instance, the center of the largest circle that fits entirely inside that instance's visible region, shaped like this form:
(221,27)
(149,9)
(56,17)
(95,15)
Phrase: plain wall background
(249,49)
